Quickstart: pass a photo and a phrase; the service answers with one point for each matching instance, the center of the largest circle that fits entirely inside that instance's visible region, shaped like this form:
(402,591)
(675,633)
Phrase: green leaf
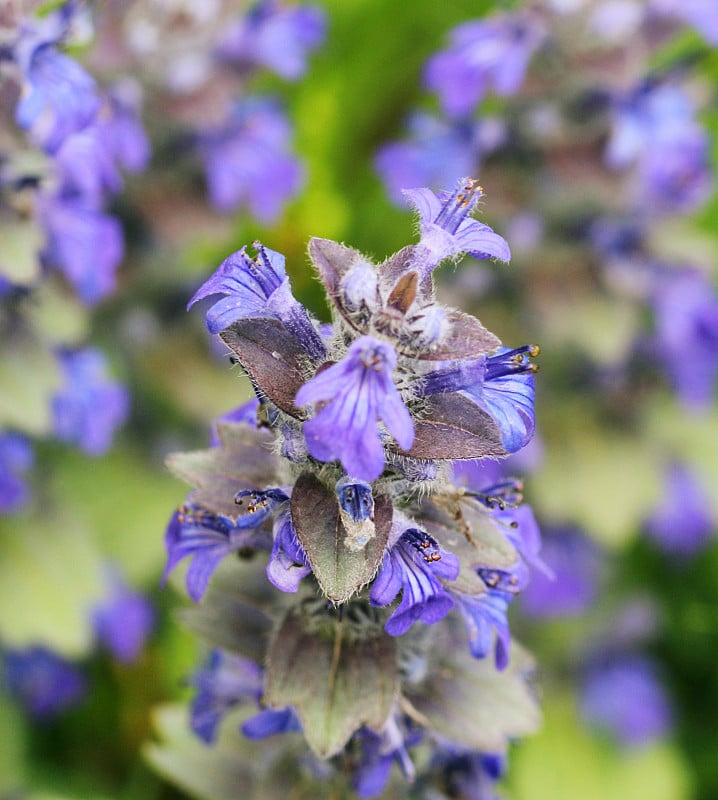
(243,461)
(21,244)
(50,576)
(339,570)
(471,703)
(334,681)
(29,376)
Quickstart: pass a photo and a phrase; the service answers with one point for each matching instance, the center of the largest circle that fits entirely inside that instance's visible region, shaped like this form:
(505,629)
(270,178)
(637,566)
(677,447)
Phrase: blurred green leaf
(50,576)
(21,243)
(564,762)
(29,376)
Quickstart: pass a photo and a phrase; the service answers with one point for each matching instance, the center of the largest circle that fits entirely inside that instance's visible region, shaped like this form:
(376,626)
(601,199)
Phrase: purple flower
(685,307)
(483,54)
(502,384)
(484,616)
(575,563)
(247,160)
(44,683)
(355,499)
(379,750)
(360,390)
(655,126)
(206,538)
(447,230)
(288,563)
(682,522)
(222,683)
(274,36)
(59,97)
(123,620)
(89,407)
(270,722)
(255,287)
(436,153)
(84,243)
(121,128)
(86,167)
(623,696)
(700,14)
(16,458)
(413,566)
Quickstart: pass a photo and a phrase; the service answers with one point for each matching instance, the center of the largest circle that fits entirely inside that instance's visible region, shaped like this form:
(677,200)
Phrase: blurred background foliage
(602,454)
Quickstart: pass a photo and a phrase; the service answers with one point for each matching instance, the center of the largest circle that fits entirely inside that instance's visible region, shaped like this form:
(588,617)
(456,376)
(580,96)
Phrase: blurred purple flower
(275,36)
(655,127)
(86,167)
(59,97)
(685,307)
(271,722)
(575,563)
(379,750)
(121,128)
(247,160)
(89,407)
(85,244)
(223,682)
(623,696)
(123,620)
(413,566)
(44,683)
(491,53)
(436,153)
(700,14)
(360,390)
(682,523)
(16,458)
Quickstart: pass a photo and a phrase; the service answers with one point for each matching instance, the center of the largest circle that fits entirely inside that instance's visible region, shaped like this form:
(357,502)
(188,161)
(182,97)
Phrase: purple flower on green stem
(89,407)
(379,750)
(359,391)
(447,229)
(413,566)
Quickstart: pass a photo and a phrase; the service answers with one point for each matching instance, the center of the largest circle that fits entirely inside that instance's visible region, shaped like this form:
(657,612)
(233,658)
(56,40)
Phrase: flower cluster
(346,484)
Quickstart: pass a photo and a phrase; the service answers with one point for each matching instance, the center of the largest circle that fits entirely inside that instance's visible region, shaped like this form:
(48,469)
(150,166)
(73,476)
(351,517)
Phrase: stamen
(424,544)
(459,205)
